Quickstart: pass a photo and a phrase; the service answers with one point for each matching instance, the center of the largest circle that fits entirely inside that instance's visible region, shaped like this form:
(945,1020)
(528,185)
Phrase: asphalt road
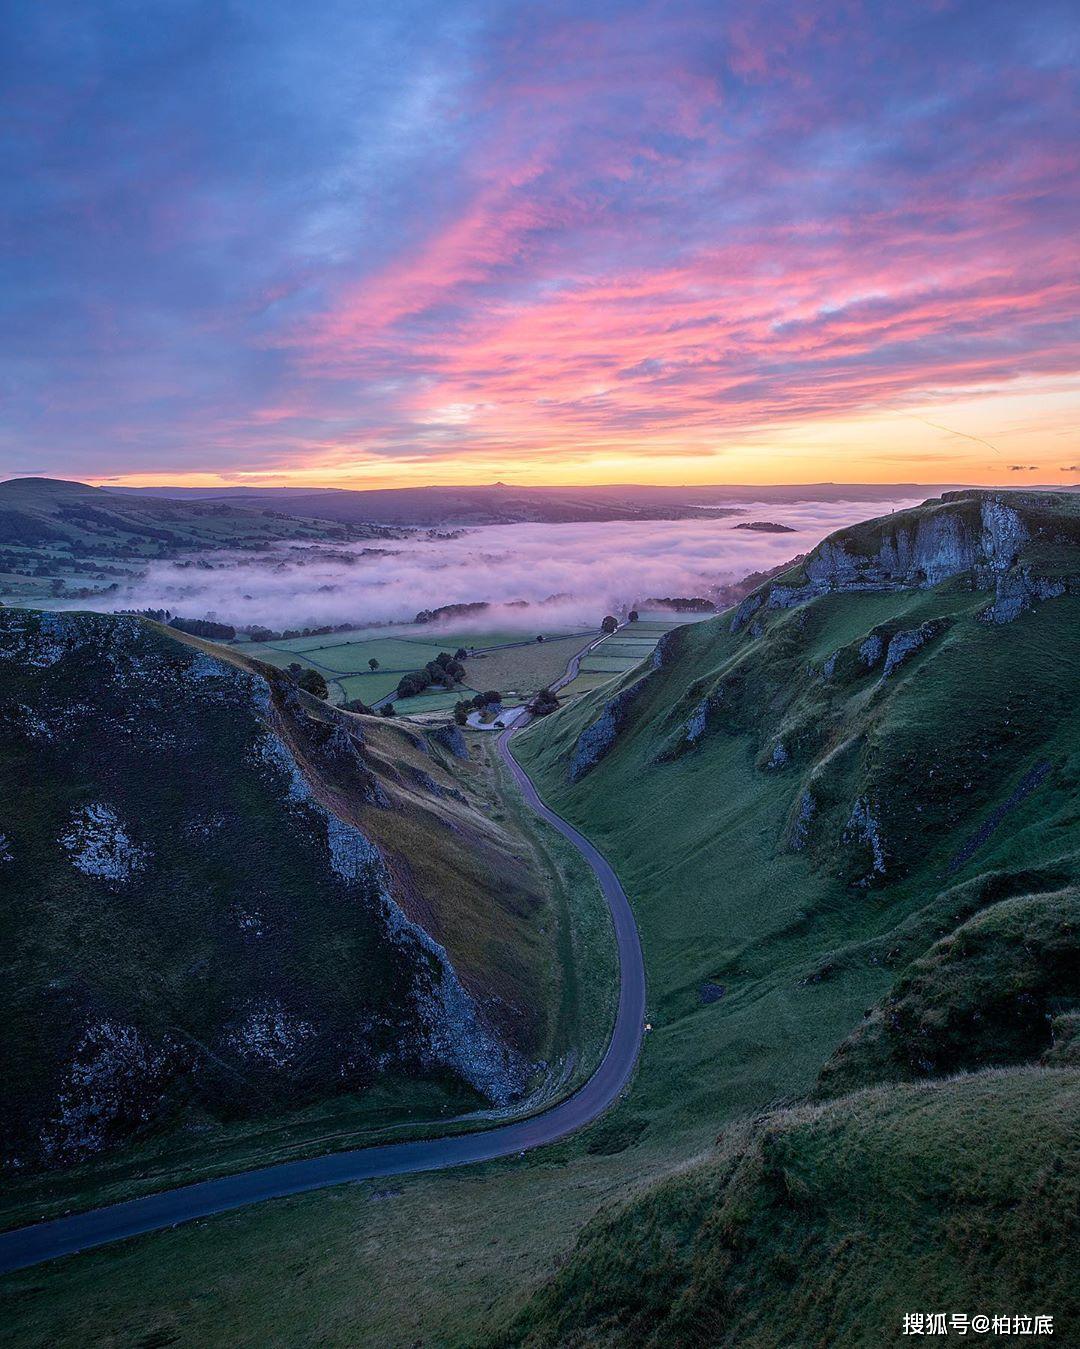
(81,1231)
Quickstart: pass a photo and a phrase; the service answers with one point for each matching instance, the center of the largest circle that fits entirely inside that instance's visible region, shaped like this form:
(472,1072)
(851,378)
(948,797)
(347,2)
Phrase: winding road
(81,1231)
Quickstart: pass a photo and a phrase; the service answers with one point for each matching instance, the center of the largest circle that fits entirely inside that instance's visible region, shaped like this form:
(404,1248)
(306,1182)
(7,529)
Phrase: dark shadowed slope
(49,1240)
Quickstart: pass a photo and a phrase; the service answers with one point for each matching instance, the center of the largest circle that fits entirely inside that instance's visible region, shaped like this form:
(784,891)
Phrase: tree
(373,664)
(609,624)
(633,615)
(540,637)
(460,653)
(544,702)
(461,712)
(311,681)
(387,710)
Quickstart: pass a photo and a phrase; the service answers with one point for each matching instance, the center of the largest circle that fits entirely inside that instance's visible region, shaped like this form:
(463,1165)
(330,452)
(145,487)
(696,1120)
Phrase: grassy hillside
(825,1226)
(713,1204)
(221,910)
(65,538)
(50,512)
(831,789)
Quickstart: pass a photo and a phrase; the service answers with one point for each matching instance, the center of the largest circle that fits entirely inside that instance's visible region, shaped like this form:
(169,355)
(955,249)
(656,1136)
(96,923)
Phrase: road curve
(153,1212)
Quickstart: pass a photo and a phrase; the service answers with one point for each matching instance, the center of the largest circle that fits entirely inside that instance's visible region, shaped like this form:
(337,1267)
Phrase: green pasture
(609,664)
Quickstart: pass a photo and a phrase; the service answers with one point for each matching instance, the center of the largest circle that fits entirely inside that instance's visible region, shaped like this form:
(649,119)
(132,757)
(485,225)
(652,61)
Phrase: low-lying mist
(592,568)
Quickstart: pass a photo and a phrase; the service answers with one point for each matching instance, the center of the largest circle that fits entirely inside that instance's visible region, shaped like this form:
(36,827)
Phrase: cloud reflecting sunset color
(372,244)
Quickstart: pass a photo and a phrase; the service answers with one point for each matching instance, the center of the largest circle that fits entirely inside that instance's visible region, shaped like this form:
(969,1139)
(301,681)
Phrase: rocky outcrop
(799,833)
(597,739)
(978,535)
(118,1081)
(1019,591)
(864,827)
(903,645)
(749,607)
(100,846)
(449,738)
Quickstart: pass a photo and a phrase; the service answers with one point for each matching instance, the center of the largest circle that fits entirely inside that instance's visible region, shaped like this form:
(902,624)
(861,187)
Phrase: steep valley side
(240,924)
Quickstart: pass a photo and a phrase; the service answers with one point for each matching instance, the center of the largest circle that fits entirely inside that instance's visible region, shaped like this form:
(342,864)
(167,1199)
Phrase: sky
(439,241)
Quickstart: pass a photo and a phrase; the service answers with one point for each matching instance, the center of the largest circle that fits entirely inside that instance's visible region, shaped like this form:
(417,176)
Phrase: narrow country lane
(79,1232)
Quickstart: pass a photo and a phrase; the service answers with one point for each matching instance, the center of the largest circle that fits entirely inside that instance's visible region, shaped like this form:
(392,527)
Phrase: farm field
(626,648)
(609,664)
(522,670)
(584,683)
(342,659)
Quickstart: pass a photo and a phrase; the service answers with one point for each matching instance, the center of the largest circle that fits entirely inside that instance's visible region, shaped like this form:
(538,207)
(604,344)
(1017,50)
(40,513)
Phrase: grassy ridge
(824,1226)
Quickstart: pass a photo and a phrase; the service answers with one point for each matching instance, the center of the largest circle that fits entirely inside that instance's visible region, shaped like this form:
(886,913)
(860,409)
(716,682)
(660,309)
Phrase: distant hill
(48,513)
(225,901)
(859,893)
(498,503)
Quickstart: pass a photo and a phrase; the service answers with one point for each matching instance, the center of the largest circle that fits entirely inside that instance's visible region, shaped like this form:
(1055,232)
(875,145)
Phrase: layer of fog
(596,567)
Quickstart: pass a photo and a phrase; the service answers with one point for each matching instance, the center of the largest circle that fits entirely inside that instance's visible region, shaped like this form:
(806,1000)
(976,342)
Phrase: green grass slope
(825,1226)
(1004,987)
(831,786)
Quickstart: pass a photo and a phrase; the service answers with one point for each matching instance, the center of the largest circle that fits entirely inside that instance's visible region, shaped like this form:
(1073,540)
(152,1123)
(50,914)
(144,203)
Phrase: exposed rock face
(800,827)
(597,739)
(748,608)
(451,739)
(699,721)
(904,645)
(1018,592)
(116,1082)
(456,1034)
(665,649)
(99,845)
(863,827)
(870,651)
(976,534)
(779,756)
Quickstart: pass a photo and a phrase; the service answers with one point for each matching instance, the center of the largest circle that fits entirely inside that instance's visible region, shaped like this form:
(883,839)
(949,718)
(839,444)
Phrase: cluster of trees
(257,633)
(609,624)
(196,627)
(444,669)
(490,698)
(544,702)
(309,680)
(451,611)
(204,627)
